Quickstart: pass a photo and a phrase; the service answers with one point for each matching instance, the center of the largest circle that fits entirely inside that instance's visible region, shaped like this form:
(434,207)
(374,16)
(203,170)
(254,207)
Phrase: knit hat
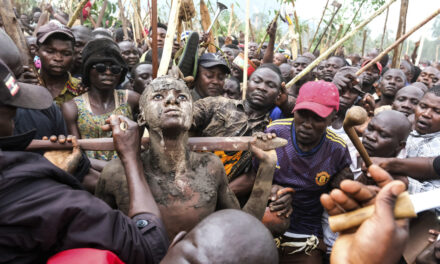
(98,51)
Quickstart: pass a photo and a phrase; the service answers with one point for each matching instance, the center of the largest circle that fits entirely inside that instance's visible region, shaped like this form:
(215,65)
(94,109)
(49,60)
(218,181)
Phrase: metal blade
(425,200)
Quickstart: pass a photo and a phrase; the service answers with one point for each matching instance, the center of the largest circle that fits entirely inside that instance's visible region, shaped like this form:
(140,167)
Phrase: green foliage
(111,14)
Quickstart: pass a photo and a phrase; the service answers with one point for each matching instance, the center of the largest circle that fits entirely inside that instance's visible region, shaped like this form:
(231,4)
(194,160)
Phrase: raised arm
(127,143)
(272,31)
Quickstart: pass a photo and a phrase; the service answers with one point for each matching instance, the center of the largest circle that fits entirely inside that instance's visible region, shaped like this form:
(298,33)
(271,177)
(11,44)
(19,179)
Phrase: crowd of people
(164,203)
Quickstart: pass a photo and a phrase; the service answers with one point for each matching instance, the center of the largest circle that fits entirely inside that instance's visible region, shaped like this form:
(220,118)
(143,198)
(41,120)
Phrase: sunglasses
(101,68)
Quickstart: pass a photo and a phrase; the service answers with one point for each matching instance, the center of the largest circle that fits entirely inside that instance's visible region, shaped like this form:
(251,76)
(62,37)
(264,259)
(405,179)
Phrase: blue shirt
(308,173)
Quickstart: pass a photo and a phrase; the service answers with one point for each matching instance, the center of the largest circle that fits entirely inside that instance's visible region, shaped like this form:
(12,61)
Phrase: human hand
(48,7)
(272,29)
(281,200)
(66,160)
(368,104)
(381,238)
(283,96)
(28,76)
(125,136)
(345,79)
(264,136)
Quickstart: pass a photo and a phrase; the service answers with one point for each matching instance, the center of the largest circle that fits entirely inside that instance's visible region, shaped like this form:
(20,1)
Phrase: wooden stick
(317,28)
(338,43)
(384,29)
(326,28)
(154,51)
(231,19)
(246,51)
(139,21)
(266,34)
(354,17)
(436,53)
(123,21)
(101,13)
(400,30)
(195,144)
(251,30)
(297,27)
(169,39)
(75,15)
(397,42)
(364,40)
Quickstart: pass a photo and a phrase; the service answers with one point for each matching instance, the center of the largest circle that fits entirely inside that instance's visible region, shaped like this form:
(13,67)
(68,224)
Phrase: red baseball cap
(320,97)
(378,65)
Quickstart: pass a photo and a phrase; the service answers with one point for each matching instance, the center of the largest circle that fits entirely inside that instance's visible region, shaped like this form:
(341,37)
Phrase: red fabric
(85,256)
(86,10)
(320,97)
(378,65)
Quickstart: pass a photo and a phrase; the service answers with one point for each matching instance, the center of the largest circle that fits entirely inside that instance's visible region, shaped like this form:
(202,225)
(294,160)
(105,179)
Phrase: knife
(407,206)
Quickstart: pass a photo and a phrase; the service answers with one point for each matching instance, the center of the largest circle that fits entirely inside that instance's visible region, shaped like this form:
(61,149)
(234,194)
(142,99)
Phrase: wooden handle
(351,133)
(403,209)
(195,144)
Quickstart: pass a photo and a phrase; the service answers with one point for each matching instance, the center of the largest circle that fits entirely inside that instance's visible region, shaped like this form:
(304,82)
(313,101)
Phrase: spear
(338,43)
(319,24)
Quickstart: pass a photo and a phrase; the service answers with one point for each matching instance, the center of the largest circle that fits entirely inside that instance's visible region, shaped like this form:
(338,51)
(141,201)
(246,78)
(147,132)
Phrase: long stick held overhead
(338,43)
(76,13)
(400,40)
(246,52)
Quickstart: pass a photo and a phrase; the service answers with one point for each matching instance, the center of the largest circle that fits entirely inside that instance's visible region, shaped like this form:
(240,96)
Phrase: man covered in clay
(187,186)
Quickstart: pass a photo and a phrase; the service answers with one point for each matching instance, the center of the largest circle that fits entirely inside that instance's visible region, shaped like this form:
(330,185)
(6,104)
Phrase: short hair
(232,46)
(234,79)
(133,70)
(274,68)
(119,35)
(344,62)
(159,25)
(435,90)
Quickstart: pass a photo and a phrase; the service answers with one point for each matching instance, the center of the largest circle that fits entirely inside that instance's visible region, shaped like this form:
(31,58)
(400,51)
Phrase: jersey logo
(322,178)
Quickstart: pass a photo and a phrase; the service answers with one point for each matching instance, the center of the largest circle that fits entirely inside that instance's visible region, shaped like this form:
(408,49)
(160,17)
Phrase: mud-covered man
(187,186)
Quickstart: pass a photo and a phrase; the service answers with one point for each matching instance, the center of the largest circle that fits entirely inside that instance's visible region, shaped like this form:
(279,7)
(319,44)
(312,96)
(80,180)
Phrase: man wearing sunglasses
(56,49)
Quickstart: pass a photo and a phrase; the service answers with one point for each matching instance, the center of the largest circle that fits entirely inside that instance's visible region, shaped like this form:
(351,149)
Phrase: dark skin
(427,114)
(319,72)
(268,54)
(7,114)
(56,60)
(101,98)
(286,72)
(407,99)
(361,245)
(32,45)
(429,76)
(393,80)
(210,81)
(279,59)
(231,90)
(143,75)
(332,65)
(369,77)
(237,72)
(161,35)
(299,64)
(229,53)
(129,53)
(406,67)
(253,47)
(173,171)
(82,37)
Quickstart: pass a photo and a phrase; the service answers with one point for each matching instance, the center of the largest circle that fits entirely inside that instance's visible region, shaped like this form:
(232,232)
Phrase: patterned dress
(89,124)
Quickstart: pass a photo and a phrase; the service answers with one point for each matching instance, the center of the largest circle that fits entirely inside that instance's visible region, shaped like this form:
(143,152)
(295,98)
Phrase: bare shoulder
(69,109)
(133,98)
(209,164)
(113,171)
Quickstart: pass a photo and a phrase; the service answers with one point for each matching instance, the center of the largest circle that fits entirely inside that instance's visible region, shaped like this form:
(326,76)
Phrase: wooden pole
(246,51)
(265,35)
(101,14)
(354,17)
(338,43)
(75,15)
(169,39)
(436,53)
(251,30)
(123,21)
(419,55)
(206,21)
(154,37)
(12,28)
(326,28)
(297,27)
(139,21)
(317,28)
(231,19)
(397,42)
(384,29)
(364,40)
(400,30)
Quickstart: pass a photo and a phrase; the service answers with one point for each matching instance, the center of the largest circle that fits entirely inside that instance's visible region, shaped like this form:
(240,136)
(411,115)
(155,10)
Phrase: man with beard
(210,78)
(429,76)
(370,77)
(56,49)
(332,65)
(82,36)
(392,81)
(188,186)
(299,64)
(314,161)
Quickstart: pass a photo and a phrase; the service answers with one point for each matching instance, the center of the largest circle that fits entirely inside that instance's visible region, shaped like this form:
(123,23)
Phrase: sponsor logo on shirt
(322,178)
